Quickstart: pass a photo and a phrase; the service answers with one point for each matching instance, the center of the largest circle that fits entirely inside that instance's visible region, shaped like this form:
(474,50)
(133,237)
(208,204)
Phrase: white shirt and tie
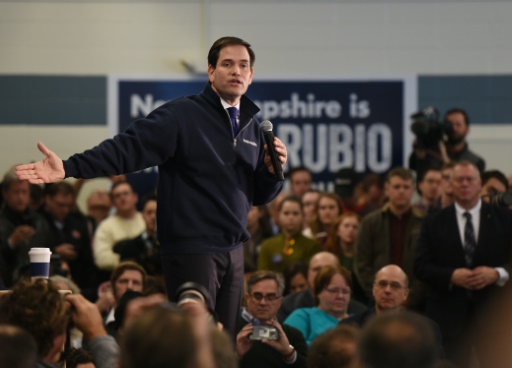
(475,219)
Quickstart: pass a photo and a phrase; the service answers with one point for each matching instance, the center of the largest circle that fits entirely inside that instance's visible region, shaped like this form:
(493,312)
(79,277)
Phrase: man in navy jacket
(210,173)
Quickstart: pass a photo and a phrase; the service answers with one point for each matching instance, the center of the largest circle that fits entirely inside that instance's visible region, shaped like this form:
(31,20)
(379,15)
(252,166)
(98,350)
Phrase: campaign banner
(326,125)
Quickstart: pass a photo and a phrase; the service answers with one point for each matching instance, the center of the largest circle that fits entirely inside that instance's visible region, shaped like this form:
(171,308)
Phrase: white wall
(292,39)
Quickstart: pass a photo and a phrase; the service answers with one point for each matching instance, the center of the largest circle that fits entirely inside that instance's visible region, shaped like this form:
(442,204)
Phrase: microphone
(266,127)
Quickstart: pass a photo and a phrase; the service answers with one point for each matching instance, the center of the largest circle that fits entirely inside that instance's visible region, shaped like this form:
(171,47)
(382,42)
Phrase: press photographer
(440,141)
(495,189)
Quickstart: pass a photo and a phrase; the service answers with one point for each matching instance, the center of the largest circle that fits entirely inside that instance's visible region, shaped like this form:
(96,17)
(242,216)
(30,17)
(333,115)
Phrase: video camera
(428,128)
(502,199)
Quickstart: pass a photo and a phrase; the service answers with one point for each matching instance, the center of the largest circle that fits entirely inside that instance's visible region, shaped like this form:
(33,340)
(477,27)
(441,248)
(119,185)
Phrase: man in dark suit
(463,254)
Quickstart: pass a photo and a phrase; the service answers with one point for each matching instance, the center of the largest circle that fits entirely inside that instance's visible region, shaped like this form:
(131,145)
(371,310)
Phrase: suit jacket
(440,252)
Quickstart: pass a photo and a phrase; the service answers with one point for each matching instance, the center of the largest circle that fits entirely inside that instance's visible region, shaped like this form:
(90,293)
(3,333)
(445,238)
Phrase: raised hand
(49,170)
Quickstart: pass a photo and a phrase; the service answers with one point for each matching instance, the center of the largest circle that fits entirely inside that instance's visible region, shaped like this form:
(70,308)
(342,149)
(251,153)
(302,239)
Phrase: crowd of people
(330,275)
(406,270)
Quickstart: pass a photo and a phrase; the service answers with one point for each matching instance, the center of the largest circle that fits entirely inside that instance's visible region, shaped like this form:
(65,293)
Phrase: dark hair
(496,174)
(78,356)
(125,266)
(261,275)
(9,177)
(315,225)
(61,187)
(370,180)
(324,277)
(402,173)
(457,110)
(147,198)
(398,340)
(335,348)
(291,198)
(118,183)
(291,271)
(297,169)
(213,54)
(18,349)
(39,309)
(168,338)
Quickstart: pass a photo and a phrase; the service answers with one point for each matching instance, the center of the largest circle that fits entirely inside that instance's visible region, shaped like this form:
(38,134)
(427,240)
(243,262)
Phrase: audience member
(301,180)
(160,334)
(295,279)
(332,288)
(372,194)
(429,188)
(463,255)
(494,182)
(335,349)
(40,309)
(36,197)
(99,205)
(20,228)
(327,210)
(273,211)
(347,227)
(144,249)
(69,235)
(390,292)
(259,228)
(446,190)
(290,246)
(126,223)
(309,200)
(18,349)
(304,299)
(79,358)
(397,340)
(388,236)
(264,297)
(128,275)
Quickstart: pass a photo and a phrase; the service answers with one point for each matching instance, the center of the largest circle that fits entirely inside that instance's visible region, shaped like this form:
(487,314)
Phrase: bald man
(304,299)
(390,291)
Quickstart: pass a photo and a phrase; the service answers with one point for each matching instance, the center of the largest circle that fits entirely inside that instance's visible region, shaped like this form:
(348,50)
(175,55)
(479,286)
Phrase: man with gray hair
(284,346)
(464,255)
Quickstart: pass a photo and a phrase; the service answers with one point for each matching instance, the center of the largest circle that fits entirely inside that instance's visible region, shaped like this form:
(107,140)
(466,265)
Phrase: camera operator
(495,188)
(261,340)
(441,142)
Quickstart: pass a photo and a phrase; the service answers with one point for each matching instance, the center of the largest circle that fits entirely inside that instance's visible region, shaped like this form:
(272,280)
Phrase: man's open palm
(49,170)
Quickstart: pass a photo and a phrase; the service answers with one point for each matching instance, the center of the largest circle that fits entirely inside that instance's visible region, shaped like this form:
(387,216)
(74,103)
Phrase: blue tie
(233,114)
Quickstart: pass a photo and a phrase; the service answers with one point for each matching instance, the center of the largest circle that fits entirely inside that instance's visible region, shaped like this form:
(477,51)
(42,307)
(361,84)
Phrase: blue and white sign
(326,125)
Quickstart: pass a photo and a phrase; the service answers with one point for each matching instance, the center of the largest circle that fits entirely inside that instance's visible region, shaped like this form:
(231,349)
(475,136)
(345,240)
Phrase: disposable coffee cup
(39,263)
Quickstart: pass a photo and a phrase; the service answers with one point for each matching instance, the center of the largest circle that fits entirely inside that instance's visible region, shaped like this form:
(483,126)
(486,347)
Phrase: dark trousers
(221,273)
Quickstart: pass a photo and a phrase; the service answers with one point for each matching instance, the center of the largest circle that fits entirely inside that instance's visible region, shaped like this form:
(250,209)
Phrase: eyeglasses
(469,179)
(394,285)
(269,297)
(338,291)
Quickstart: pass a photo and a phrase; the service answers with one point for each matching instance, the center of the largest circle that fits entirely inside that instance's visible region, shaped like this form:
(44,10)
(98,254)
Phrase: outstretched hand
(49,170)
